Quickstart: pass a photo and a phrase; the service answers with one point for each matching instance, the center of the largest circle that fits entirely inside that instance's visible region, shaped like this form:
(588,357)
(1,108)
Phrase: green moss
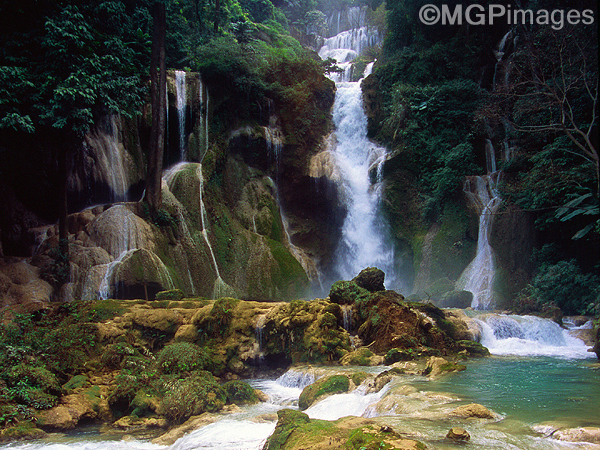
(240,393)
(291,277)
(451,249)
(335,384)
(288,421)
(173,294)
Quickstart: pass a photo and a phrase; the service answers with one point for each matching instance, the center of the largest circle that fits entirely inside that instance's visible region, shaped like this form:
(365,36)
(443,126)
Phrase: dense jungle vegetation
(433,96)
(64,64)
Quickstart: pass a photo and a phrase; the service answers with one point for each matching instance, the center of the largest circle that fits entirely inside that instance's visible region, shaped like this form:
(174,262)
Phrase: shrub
(173,294)
(192,396)
(564,285)
(240,393)
(182,357)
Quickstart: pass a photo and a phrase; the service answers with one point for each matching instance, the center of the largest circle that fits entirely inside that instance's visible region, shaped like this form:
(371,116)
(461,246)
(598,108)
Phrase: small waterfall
(364,234)
(347,317)
(180,90)
(204,219)
(259,333)
(274,139)
(478,277)
(528,336)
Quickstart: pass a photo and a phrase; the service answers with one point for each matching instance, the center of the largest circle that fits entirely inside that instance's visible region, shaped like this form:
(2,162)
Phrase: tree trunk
(158,81)
(217,14)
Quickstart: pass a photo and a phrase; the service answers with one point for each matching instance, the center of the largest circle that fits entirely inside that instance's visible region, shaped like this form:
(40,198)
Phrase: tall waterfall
(364,240)
(181,94)
(478,277)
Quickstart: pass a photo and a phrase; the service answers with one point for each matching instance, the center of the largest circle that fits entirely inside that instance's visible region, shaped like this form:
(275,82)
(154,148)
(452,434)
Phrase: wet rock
(370,279)
(473,410)
(335,384)
(458,434)
(295,431)
(582,434)
(437,366)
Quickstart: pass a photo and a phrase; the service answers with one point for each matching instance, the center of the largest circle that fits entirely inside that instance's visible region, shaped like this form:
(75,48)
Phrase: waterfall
(478,277)
(363,241)
(274,139)
(259,333)
(204,220)
(181,94)
(528,336)
(347,317)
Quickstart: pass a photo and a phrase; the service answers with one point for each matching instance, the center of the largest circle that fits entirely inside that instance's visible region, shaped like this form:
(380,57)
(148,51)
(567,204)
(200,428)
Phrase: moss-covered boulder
(335,384)
(295,431)
(347,292)
(370,279)
(472,348)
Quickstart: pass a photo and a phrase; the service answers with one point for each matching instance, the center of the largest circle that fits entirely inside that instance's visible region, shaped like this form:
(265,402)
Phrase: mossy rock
(347,292)
(370,279)
(409,354)
(287,421)
(359,357)
(172,294)
(192,396)
(296,431)
(473,348)
(335,384)
(78,381)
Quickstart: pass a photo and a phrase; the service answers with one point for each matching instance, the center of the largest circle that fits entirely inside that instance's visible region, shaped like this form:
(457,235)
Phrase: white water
(181,94)
(364,237)
(528,336)
(406,403)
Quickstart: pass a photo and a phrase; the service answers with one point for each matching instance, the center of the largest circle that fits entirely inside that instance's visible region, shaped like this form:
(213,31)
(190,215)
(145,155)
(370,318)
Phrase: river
(556,385)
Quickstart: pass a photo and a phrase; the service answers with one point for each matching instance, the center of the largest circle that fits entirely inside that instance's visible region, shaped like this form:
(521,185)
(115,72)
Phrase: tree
(76,61)
(550,101)
(158,80)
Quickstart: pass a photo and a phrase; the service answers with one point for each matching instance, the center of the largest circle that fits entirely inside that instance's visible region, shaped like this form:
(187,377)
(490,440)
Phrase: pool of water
(531,389)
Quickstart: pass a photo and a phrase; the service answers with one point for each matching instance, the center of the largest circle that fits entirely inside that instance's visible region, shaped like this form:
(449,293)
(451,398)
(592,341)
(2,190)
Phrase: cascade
(364,235)
(527,336)
(181,94)
(259,332)
(478,277)
(274,139)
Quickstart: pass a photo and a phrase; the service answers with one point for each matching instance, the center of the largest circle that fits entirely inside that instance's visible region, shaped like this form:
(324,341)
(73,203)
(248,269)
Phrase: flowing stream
(531,395)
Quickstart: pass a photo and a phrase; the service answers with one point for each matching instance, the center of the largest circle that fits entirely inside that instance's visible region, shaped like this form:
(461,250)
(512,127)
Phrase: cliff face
(242,215)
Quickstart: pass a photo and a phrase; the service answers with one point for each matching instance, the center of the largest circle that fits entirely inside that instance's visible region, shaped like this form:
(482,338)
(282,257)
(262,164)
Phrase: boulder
(582,434)
(437,366)
(296,431)
(473,411)
(335,384)
(371,279)
(346,292)
(458,434)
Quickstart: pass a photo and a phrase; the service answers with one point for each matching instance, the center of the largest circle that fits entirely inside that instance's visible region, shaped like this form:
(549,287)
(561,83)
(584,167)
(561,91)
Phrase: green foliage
(434,124)
(182,357)
(33,386)
(173,294)
(240,393)
(192,396)
(564,285)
